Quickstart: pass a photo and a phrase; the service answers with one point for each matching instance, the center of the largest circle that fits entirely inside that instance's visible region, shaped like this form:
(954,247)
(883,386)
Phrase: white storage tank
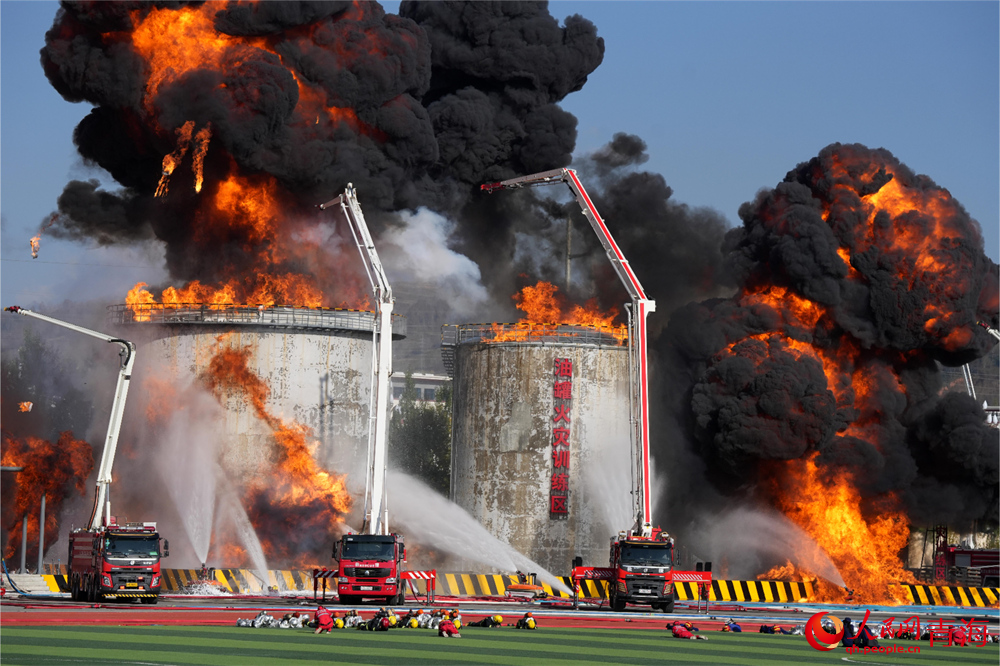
(512,411)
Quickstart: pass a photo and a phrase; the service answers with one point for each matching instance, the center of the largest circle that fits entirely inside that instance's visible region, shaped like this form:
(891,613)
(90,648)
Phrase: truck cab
(370,566)
(120,561)
(643,570)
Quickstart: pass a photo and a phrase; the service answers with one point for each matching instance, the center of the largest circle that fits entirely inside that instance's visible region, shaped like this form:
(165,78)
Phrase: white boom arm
(992,331)
(640,307)
(376,511)
(127,360)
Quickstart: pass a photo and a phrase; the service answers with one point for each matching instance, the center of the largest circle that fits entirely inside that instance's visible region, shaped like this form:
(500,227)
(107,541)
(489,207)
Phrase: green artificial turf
(212,646)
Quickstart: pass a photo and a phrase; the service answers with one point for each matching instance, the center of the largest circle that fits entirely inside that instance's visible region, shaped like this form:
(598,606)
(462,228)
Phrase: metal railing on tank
(453,335)
(530,332)
(250,315)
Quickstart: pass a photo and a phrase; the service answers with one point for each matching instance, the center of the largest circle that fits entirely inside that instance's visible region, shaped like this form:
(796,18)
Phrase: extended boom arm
(640,307)
(376,511)
(127,356)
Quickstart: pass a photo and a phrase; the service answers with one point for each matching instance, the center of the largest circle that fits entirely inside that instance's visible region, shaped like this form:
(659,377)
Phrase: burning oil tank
(551,494)
(316,363)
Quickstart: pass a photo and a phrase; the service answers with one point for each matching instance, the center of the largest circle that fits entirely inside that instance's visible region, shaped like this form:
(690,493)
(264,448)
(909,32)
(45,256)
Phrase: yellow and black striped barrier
(953,595)
(246,581)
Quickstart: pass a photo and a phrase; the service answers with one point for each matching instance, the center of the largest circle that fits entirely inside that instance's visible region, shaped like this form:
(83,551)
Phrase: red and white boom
(640,307)
(376,511)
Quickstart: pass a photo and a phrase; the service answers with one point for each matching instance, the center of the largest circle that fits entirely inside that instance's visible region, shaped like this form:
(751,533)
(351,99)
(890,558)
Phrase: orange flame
(24,406)
(546,309)
(298,500)
(172,160)
(53,470)
(201,139)
(865,551)
(177,41)
(246,213)
(920,227)
(35,244)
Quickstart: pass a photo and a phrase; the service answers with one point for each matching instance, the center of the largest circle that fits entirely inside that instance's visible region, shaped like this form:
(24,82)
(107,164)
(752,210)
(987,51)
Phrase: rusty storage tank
(316,362)
(512,408)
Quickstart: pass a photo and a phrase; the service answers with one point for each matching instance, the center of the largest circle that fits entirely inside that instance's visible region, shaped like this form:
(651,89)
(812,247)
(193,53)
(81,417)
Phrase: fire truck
(980,567)
(370,563)
(642,558)
(120,561)
(108,559)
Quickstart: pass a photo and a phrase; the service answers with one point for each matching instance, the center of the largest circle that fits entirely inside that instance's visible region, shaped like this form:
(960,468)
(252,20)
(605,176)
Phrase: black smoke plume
(415,110)
(845,305)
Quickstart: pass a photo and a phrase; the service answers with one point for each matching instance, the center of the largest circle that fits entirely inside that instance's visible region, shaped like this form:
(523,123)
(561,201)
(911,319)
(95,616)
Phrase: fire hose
(10,581)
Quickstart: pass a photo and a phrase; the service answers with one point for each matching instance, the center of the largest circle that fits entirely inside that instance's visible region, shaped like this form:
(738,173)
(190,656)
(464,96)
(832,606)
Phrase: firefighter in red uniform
(684,630)
(323,620)
(447,629)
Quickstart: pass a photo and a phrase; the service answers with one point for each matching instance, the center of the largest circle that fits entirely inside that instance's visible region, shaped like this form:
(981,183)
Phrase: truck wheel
(74,588)
(150,600)
(666,607)
(617,604)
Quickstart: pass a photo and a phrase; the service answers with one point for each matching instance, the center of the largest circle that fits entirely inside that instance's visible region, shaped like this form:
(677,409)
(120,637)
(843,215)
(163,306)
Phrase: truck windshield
(369,550)
(132,546)
(646,554)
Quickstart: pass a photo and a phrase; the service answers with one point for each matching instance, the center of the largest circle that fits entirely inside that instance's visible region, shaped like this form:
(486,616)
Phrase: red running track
(104,614)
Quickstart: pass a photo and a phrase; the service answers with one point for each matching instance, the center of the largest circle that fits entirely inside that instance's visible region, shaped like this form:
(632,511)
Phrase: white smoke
(429,519)
(751,541)
(418,253)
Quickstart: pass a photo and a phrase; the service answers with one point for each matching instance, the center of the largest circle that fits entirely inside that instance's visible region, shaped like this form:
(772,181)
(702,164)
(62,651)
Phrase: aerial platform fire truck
(370,563)
(642,558)
(108,559)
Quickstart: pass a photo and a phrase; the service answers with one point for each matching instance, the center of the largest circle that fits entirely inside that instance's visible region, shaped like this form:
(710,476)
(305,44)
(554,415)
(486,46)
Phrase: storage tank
(511,413)
(316,363)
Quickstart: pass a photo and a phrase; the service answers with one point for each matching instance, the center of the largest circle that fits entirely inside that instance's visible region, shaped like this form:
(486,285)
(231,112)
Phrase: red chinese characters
(562,394)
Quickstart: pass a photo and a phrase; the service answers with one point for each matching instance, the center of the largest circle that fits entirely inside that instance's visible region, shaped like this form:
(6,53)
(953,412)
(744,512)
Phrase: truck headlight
(668,588)
(106,580)
(390,581)
(156,580)
(622,588)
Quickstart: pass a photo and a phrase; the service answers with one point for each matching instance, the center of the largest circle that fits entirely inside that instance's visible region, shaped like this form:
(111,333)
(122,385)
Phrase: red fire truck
(641,571)
(120,561)
(107,559)
(370,565)
(642,558)
(969,564)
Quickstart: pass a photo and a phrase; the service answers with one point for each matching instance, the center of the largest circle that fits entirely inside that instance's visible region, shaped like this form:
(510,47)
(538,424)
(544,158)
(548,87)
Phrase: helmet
(337,622)
(531,623)
(498,618)
(392,620)
(413,623)
(725,627)
(458,624)
(527,615)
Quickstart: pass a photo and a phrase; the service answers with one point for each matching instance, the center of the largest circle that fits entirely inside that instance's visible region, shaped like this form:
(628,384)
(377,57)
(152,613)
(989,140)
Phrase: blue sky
(729,96)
